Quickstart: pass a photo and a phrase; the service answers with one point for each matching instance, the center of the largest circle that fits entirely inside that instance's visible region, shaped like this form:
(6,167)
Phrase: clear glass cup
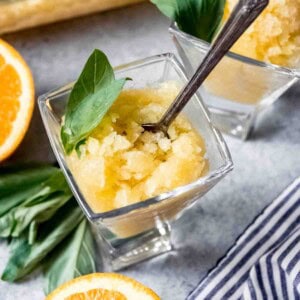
(238,89)
(142,230)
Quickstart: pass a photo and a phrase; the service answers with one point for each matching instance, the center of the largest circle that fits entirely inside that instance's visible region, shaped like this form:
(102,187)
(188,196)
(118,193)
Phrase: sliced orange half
(16,99)
(103,286)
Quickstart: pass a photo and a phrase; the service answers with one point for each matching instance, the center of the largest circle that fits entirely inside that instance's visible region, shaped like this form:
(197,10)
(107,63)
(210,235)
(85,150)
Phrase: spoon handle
(245,12)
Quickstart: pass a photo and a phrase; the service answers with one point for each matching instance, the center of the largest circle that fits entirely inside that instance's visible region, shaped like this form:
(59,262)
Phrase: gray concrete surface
(264,165)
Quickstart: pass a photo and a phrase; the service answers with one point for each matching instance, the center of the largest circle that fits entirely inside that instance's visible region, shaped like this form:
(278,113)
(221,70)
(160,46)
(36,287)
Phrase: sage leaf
(92,95)
(200,18)
(25,257)
(75,257)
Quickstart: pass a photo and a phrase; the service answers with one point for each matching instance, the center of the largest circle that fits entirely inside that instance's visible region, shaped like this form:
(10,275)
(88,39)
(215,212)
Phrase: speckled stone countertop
(264,165)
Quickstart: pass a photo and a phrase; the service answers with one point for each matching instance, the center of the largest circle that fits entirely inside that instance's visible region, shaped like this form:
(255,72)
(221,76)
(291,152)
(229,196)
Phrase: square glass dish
(141,230)
(238,89)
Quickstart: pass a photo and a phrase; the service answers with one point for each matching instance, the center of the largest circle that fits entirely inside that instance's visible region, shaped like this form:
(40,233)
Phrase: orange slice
(97,294)
(16,99)
(103,286)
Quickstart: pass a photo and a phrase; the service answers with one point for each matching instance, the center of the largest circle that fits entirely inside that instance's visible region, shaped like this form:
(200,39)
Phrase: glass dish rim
(226,166)
(292,72)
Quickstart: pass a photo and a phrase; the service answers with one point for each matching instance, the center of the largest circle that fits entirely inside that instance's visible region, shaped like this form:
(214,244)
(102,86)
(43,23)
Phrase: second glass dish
(238,89)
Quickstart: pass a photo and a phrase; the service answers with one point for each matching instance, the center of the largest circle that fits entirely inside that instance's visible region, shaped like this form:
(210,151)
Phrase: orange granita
(275,36)
(120,164)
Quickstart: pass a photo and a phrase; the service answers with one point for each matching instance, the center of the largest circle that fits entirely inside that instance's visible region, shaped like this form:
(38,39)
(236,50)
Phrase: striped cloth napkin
(264,263)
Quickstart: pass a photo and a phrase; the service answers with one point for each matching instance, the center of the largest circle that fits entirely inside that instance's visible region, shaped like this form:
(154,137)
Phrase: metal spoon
(245,12)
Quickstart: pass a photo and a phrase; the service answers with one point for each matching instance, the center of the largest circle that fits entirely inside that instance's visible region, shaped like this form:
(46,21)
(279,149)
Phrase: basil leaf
(74,258)
(10,178)
(91,97)
(40,207)
(21,218)
(168,7)
(26,257)
(7,224)
(56,184)
(16,198)
(32,232)
(200,18)
(18,185)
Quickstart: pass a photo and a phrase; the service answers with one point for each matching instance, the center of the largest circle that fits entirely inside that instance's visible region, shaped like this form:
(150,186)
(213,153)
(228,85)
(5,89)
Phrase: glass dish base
(121,253)
(234,123)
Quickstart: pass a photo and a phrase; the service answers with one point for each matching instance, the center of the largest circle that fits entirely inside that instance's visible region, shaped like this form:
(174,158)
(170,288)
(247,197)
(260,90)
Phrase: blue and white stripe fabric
(264,263)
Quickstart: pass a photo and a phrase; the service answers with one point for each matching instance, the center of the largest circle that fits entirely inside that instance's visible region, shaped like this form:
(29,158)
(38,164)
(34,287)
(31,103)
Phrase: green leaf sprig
(26,257)
(39,206)
(200,18)
(75,257)
(91,97)
(44,225)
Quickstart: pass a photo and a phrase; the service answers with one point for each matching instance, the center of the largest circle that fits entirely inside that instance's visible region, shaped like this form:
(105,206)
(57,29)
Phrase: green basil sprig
(26,257)
(44,225)
(19,183)
(75,257)
(40,206)
(200,18)
(92,95)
